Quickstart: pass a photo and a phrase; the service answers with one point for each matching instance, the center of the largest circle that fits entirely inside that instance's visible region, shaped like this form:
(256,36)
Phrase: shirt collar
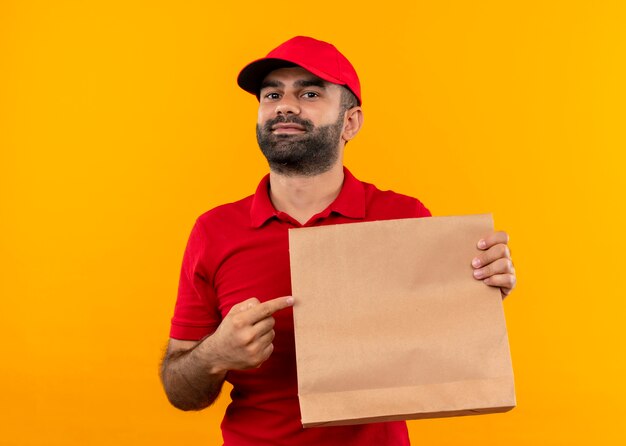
(350,202)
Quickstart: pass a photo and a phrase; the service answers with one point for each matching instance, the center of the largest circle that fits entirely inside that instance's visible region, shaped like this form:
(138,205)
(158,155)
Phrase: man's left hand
(494,265)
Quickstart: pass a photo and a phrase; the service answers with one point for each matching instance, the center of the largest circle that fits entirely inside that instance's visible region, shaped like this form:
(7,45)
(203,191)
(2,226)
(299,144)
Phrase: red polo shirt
(240,250)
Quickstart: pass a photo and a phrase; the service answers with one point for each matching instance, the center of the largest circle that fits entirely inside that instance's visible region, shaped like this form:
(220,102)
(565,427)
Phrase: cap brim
(251,76)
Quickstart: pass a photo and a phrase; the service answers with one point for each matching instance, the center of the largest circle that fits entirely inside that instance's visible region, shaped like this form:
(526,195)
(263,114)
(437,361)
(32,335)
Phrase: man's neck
(303,197)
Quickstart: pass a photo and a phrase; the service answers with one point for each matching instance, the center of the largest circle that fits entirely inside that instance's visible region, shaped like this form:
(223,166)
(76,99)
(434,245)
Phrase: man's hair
(348,99)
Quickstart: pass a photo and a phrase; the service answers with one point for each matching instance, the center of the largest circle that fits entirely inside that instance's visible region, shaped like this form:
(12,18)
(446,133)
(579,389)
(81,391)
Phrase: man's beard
(305,154)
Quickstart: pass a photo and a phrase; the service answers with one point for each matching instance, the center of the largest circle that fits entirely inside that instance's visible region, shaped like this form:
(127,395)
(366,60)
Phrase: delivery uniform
(241,250)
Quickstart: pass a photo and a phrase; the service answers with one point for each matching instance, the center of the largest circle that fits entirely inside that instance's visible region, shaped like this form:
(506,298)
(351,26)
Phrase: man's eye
(310,94)
(272,96)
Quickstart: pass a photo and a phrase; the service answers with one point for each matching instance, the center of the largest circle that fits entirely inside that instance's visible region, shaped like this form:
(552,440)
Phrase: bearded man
(232,319)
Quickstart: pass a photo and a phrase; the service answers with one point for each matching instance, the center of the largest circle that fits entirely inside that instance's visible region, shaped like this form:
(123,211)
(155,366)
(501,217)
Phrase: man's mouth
(287,128)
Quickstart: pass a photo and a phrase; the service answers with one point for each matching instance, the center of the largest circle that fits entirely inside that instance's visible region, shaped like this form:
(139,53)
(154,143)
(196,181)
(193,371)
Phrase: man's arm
(190,379)
(193,372)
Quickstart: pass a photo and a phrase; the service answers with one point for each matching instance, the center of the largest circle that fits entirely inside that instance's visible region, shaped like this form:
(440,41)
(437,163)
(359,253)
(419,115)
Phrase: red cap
(320,58)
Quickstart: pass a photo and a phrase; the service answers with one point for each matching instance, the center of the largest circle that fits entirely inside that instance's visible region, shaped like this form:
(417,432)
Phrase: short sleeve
(196,312)
(421,210)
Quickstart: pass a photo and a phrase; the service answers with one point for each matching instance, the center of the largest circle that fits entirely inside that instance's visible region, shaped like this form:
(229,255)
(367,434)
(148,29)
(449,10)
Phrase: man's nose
(287,106)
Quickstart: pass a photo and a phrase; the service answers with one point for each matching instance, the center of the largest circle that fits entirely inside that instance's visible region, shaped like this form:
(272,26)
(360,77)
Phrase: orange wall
(120,122)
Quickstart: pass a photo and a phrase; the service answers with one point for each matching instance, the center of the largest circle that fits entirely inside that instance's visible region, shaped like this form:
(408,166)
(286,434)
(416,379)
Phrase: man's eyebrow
(317,82)
(271,84)
(301,83)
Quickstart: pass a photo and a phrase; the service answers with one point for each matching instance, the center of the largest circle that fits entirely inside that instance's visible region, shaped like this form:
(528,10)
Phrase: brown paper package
(391,325)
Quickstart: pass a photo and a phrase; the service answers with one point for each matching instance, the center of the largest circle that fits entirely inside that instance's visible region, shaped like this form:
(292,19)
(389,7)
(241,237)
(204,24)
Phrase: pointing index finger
(268,308)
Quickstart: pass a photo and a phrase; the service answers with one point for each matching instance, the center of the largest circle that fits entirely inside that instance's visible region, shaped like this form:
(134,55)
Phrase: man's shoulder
(391,204)
(372,191)
(227,213)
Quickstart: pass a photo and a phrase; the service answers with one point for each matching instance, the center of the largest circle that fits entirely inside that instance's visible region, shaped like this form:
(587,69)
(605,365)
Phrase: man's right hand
(244,338)
(193,371)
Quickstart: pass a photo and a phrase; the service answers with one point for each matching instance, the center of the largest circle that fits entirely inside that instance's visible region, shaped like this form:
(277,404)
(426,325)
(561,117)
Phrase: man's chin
(284,143)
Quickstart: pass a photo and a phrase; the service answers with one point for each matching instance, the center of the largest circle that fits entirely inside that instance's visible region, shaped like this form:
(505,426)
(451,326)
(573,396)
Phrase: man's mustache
(281,119)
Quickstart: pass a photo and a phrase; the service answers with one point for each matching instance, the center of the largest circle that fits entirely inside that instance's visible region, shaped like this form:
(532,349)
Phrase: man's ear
(353,123)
